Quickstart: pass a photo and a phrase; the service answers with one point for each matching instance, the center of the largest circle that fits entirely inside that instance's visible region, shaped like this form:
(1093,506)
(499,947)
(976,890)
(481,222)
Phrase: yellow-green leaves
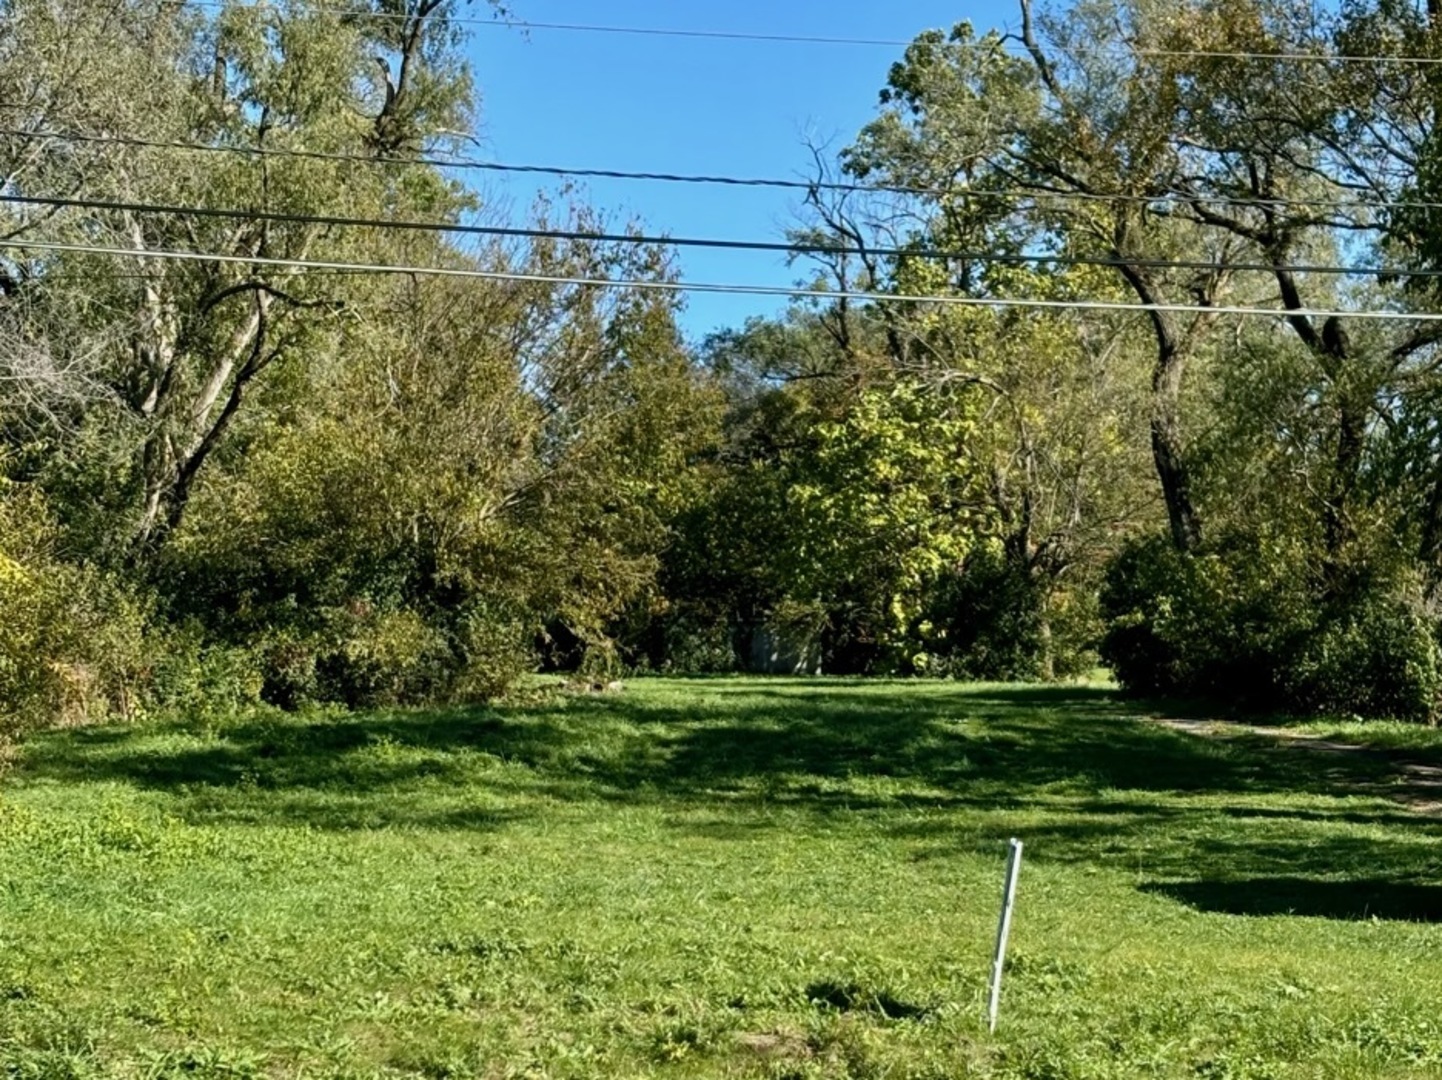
(887,500)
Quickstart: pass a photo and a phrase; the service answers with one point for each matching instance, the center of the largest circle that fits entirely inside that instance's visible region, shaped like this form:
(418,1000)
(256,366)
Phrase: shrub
(491,650)
(987,620)
(1249,620)
(1137,599)
(287,661)
(995,618)
(377,657)
(696,644)
(72,642)
(367,656)
(1216,623)
(197,679)
(1378,657)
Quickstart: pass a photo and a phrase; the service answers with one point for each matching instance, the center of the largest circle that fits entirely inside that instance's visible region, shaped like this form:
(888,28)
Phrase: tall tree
(1064,149)
(153,103)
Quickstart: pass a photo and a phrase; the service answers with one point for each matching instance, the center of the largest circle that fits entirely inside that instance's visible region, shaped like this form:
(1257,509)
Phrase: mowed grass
(728,878)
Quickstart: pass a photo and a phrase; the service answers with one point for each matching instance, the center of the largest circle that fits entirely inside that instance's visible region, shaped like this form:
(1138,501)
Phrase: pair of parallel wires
(791,249)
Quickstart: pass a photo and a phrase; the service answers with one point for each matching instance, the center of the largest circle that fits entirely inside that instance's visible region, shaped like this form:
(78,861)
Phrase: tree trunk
(1334,349)
(1167,453)
(1166,424)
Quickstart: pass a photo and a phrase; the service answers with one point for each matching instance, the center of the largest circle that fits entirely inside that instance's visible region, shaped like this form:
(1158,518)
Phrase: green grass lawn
(1414,742)
(731,878)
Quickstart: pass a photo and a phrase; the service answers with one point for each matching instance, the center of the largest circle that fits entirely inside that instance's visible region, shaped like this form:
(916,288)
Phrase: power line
(811,39)
(712,35)
(1284,57)
(1017,50)
(710,243)
(517,24)
(1017,194)
(712,287)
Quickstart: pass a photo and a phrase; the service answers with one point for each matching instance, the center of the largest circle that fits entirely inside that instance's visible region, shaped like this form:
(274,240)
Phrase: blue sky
(680,105)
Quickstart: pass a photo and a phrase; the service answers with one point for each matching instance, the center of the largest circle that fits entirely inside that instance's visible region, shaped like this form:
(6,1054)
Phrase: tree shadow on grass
(813,745)
(992,747)
(1176,841)
(1352,899)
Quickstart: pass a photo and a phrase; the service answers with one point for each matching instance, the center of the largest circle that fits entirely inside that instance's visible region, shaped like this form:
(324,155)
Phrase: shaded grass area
(749,878)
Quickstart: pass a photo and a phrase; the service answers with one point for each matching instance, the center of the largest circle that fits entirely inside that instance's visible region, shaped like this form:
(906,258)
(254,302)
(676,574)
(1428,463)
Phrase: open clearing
(733,878)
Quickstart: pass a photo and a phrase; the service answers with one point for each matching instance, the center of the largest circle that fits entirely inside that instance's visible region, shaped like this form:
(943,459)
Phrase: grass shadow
(851,997)
(1352,899)
(816,745)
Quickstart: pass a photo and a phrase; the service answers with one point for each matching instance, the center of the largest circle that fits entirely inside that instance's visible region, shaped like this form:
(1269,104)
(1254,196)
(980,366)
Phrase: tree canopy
(1181,416)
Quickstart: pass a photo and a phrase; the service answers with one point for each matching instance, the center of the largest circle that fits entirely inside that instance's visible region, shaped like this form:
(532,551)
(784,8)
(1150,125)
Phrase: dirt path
(1415,784)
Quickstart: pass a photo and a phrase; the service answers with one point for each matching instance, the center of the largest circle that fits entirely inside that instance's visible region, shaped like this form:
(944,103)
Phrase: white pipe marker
(1008,901)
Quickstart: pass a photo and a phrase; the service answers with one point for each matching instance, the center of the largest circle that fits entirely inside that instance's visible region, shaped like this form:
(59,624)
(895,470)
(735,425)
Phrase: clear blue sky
(681,105)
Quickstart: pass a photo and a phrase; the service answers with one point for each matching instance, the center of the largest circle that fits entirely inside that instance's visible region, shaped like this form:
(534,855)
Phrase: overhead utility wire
(810,39)
(732,181)
(656,31)
(713,243)
(590,28)
(713,287)
(1204,54)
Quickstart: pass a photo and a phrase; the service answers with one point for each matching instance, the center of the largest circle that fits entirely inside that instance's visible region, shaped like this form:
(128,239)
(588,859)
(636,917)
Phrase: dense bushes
(988,617)
(1377,657)
(71,639)
(851,522)
(995,617)
(1253,621)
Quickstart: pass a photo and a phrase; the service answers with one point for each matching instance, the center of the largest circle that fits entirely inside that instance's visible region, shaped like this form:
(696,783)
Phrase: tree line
(1035,421)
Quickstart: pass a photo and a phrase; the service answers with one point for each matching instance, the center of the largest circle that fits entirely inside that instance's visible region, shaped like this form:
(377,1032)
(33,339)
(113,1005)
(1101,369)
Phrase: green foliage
(995,618)
(1374,656)
(175,360)
(71,638)
(834,508)
(381,658)
(686,641)
(911,522)
(200,680)
(887,492)
(491,462)
(1250,623)
(1300,469)
(262,484)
